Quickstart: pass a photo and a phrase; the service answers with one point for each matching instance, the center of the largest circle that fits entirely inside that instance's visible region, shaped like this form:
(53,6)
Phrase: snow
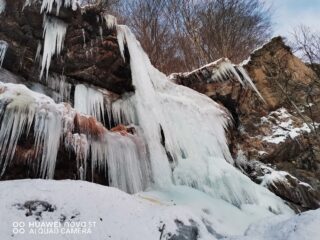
(283,127)
(89,101)
(3,48)
(199,154)
(113,214)
(54,34)
(304,226)
(2,6)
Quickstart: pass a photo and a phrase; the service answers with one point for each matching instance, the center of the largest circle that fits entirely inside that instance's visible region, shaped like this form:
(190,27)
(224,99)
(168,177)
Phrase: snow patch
(282,127)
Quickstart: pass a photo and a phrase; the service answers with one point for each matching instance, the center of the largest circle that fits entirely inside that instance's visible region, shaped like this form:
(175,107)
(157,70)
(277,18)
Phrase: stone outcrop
(283,129)
(90,55)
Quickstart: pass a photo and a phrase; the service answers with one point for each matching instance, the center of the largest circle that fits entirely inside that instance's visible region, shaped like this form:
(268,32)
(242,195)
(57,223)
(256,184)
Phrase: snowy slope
(111,213)
(108,213)
(304,226)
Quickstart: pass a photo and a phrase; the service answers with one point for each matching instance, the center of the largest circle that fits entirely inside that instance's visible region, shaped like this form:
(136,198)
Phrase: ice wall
(185,133)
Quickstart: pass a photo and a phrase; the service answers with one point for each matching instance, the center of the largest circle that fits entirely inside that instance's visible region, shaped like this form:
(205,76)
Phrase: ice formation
(47,5)
(21,109)
(89,101)
(111,21)
(61,87)
(125,160)
(2,5)
(37,57)
(3,50)
(223,69)
(54,33)
(187,129)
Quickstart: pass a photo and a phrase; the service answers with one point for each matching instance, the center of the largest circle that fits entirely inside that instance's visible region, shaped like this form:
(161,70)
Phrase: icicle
(101,33)
(2,6)
(224,69)
(84,37)
(89,101)
(111,21)
(121,41)
(37,57)
(3,50)
(54,33)
(187,129)
(80,146)
(248,80)
(25,107)
(124,158)
(59,84)
(47,5)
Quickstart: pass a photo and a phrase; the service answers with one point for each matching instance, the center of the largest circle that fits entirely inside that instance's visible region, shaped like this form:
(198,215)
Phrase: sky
(288,14)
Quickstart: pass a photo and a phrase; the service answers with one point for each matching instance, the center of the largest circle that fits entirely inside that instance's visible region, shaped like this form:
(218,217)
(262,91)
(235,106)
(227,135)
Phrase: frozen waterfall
(185,132)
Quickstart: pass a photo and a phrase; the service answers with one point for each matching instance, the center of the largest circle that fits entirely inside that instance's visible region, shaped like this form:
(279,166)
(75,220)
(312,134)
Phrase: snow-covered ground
(303,226)
(47,209)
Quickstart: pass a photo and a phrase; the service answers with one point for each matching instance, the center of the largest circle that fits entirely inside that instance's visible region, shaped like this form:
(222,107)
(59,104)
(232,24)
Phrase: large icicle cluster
(89,101)
(47,5)
(122,158)
(125,157)
(54,33)
(21,108)
(187,129)
(3,48)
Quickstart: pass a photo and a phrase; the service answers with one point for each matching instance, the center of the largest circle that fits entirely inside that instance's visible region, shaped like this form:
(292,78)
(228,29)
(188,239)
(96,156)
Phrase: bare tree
(180,35)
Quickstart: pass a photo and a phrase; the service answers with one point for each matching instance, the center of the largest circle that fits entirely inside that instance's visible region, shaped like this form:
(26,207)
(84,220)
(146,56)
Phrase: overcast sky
(288,14)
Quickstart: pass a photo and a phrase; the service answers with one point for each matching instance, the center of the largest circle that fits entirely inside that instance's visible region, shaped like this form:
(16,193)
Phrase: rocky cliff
(282,130)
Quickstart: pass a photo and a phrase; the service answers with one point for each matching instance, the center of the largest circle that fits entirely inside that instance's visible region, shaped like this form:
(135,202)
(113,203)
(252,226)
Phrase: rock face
(281,131)
(91,52)
(90,56)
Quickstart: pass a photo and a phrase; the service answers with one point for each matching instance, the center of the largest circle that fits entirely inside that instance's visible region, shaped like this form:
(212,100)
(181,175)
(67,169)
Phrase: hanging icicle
(48,5)
(21,109)
(111,21)
(3,50)
(61,87)
(2,6)
(89,101)
(54,34)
